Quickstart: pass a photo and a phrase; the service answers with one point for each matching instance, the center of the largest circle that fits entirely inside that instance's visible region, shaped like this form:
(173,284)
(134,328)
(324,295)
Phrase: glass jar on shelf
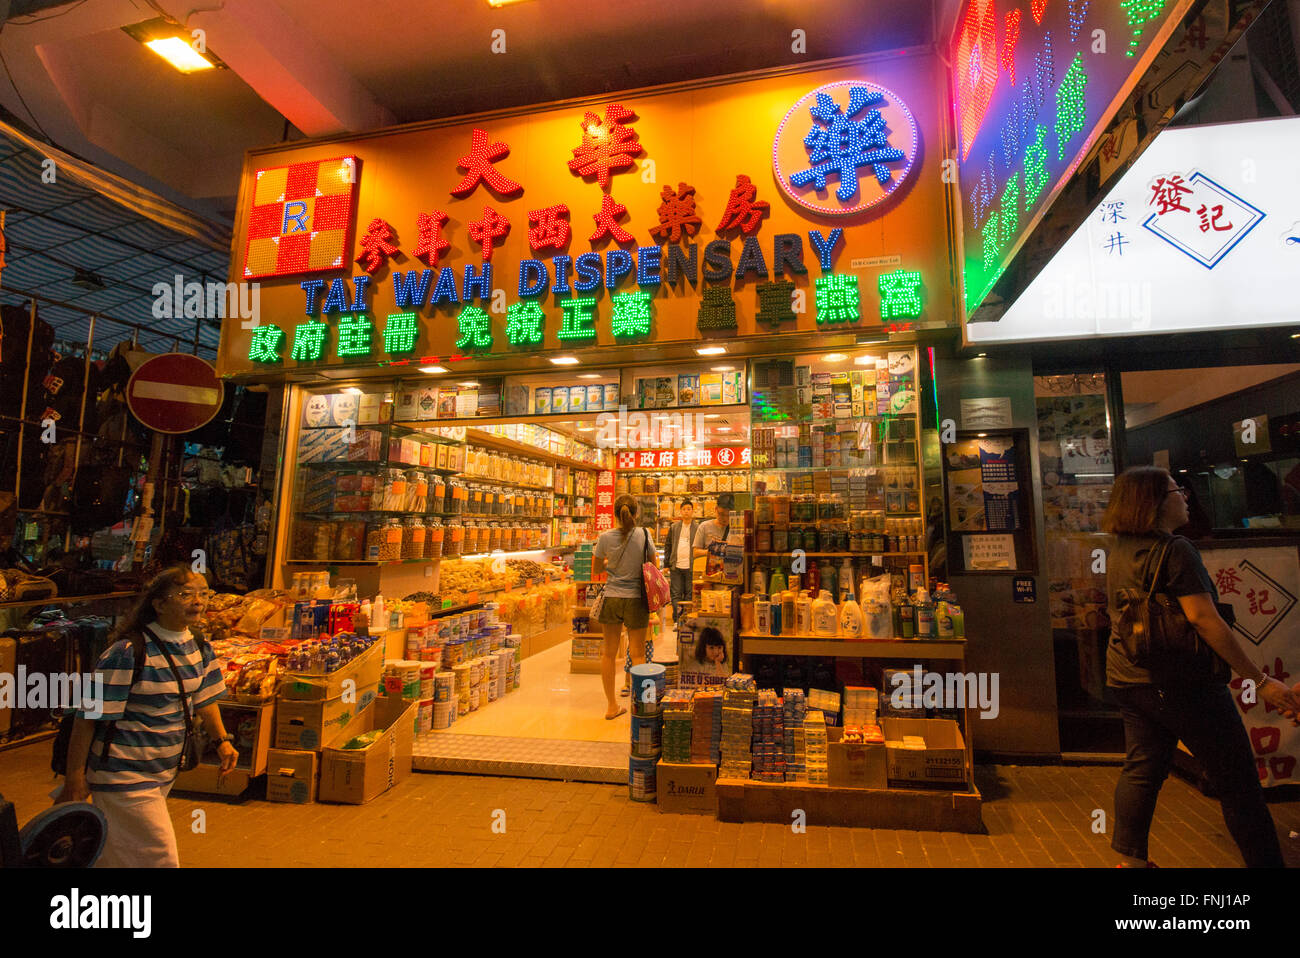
(494,537)
(433,538)
(413,538)
(437,492)
(636,484)
(453,542)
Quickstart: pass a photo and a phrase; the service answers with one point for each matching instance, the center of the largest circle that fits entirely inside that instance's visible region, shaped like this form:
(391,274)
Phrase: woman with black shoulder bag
(1168,663)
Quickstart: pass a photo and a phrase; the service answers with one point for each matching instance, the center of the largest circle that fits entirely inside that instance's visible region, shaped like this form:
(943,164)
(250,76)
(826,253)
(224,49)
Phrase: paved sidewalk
(1035,816)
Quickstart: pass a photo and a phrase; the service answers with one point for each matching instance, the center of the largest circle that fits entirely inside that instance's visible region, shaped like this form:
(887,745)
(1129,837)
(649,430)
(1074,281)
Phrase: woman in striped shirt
(147,722)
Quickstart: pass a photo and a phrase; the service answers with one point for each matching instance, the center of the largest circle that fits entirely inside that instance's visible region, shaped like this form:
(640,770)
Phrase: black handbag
(192,751)
(1156,633)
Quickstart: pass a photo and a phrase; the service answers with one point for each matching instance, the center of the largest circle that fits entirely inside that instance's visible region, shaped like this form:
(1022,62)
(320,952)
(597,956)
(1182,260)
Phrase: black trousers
(1206,719)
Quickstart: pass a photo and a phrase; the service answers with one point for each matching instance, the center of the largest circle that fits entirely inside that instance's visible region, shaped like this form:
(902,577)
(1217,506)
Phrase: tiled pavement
(1035,816)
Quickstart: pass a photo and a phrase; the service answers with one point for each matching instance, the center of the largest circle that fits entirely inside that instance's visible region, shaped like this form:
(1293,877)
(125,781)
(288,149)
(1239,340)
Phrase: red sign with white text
(716,457)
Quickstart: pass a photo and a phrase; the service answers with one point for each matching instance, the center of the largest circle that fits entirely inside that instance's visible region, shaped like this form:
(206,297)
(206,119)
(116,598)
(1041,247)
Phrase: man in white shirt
(678,555)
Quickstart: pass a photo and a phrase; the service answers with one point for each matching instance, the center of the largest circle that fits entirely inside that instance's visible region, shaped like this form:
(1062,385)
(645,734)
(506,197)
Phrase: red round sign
(175,393)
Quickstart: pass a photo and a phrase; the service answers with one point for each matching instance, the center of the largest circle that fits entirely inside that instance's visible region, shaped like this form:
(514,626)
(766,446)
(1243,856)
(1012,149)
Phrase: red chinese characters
(550,227)
(477,164)
(676,214)
(607,221)
(1167,195)
(744,210)
(607,145)
(375,246)
(429,244)
(486,231)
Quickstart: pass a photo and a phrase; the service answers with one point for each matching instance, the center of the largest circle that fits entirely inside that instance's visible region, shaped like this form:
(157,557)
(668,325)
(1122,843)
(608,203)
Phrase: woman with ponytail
(621,552)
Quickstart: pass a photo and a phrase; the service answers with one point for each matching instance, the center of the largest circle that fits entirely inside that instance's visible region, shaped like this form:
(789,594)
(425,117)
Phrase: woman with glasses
(144,721)
(1180,699)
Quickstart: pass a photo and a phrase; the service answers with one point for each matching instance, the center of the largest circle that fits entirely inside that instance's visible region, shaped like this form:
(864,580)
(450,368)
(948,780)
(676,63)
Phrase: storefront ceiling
(320,67)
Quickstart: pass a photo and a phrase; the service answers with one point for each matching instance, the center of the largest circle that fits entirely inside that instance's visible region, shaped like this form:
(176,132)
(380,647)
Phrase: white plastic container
(825,618)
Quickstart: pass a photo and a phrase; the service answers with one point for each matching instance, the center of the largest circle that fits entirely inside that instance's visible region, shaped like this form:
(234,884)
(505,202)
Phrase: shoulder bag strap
(1152,588)
(171,664)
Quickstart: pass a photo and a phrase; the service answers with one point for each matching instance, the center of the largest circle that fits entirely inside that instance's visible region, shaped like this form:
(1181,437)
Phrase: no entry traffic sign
(174,393)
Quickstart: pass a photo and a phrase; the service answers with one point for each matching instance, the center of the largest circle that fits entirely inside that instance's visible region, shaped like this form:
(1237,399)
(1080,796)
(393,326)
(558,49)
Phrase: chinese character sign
(604,500)
(1263,587)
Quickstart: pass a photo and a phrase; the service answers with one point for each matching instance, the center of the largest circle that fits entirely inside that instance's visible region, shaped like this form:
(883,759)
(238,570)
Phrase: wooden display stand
(741,800)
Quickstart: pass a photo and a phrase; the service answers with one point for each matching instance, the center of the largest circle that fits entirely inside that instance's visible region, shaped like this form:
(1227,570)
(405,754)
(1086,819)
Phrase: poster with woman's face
(706,649)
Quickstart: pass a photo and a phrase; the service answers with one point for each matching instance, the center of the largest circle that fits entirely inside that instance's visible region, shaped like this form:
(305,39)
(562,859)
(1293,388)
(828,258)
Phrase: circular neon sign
(845,147)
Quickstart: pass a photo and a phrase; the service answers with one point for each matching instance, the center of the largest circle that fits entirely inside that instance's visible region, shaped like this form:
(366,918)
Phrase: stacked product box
(738,702)
(706,727)
(815,747)
(795,707)
(678,719)
(860,706)
(825,702)
(769,738)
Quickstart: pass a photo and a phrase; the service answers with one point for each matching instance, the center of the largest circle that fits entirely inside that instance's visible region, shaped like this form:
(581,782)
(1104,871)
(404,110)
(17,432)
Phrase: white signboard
(1203,232)
(986,553)
(991,412)
(1263,587)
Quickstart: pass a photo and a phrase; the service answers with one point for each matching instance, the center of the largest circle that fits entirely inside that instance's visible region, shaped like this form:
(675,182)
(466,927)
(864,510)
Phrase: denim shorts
(628,612)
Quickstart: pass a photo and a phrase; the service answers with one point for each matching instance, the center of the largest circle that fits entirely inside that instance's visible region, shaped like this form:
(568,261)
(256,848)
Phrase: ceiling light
(469,385)
(588,375)
(352,390)
(565,360)
(721,369)
(174,44)
(834,357)
(502,3)
(711,350)
(980,355)
(1295,335)
(713,415)
(868,341)
(433,370)
(981,435)
(723,429)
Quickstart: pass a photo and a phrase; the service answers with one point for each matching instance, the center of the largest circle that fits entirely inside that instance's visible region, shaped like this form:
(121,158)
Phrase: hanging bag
(654,584)
(1156,633)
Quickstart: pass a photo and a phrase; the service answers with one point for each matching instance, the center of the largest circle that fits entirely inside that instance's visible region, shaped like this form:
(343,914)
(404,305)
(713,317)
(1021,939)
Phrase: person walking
(145,722)
(621,552)
(679,555)
(1178,697)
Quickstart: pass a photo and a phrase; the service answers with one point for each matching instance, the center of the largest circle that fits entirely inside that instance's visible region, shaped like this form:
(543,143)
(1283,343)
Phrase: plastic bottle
(829,580)
(803,613)
(788,615)
(758,583)
(379,620)
(907,616)
(958,620)
(896,609)
(825,620)
(943,620)
(852,621)
(776,585)
(924,615)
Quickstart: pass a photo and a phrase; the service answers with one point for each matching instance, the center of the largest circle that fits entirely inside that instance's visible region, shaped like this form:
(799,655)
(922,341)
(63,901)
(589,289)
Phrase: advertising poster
(706,650)
(1001,490)
(1263,585)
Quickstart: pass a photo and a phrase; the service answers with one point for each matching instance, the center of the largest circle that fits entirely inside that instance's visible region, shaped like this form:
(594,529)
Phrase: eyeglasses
(1181,490)
(185,595)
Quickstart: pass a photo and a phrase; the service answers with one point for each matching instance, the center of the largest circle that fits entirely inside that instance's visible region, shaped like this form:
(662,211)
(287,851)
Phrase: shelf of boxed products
(756,644)
(846,555)
(499,554)
(477,437)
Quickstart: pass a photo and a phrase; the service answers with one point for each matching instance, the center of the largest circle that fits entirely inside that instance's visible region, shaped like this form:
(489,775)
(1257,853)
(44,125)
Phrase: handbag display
(657,592)
(1155,631)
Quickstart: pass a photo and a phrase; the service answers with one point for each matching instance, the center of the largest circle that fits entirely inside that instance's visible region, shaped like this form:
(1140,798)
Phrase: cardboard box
(311,725)
(291,776)
(362,671)
(356,776)
(856,765)
(689,789)
(941,764)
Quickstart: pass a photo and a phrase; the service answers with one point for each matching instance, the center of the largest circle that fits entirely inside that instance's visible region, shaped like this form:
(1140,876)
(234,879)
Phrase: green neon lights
(475,327)
(900,294)
(265,344)
(525,323)
(1071,104)
(838,300)
(355,332)
(309,341)
(631,316)
(578,319)
(401,332)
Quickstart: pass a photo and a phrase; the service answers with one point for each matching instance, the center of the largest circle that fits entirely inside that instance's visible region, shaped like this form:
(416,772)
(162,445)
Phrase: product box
(427,403)
(859,765)
(371,408)
(577,399)
(363,671)
(466,403)
(595,398)
(440,455)
(291,776)
(941,764)
(447,403)
(316,411)
(517,401)
(732,388)
(407,405)
(456,458)
(690,789)
(542,400)
(611,396)
(711,389)
(355,776)
(344,409)
(426,455)
(368,447)
(688,390)
(310,725)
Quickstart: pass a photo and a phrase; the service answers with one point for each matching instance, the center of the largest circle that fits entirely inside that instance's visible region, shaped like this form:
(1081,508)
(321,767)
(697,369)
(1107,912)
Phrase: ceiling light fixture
(433,370)
(468,385)
(588,375)
(721,369)
(175,44)
(834,357)
(565,360)
(980,355)
(352,390)
(711,350)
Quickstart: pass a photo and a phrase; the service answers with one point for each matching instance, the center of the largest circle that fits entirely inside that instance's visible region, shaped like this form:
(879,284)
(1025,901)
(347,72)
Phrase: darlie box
(355,776)
(687,788)
(312,724)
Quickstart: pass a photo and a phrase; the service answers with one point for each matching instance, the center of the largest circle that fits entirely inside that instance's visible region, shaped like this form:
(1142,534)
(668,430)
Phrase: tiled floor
(1035,816)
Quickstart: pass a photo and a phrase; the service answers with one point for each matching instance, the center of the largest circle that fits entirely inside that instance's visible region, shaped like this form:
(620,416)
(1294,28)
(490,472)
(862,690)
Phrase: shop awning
(93,243)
